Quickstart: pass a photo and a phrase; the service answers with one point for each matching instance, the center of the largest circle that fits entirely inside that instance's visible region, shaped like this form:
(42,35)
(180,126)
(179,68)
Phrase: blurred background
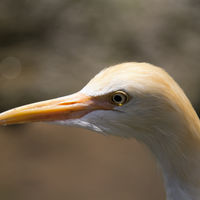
(52,48)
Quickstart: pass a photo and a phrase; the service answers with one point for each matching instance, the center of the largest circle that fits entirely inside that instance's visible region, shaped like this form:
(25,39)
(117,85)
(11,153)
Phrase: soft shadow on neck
(177,151)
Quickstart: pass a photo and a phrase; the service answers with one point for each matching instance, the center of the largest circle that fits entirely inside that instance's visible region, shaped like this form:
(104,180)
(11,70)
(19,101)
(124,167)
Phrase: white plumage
(133,100)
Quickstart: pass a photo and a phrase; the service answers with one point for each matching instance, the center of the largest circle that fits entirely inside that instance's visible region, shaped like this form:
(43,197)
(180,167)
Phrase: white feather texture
(158,115)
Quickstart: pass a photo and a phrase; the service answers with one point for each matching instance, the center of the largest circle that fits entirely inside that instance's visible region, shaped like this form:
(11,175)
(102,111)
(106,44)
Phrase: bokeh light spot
(10,67)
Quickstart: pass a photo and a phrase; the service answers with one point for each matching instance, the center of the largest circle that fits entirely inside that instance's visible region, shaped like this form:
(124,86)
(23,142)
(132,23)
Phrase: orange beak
(63,108)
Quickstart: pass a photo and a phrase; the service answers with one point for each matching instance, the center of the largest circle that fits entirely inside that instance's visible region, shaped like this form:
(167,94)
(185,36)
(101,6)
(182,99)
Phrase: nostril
(67,103)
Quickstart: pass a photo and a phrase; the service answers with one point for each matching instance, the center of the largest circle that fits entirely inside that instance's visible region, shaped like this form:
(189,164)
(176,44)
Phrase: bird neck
(180,167)
(177,150)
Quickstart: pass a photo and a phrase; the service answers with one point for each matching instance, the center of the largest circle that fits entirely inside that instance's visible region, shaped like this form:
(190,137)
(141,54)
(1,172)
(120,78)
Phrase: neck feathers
(177,145)
(181,167)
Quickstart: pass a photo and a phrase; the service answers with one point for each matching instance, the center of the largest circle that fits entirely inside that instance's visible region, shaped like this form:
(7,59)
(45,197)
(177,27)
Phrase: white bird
(133,100)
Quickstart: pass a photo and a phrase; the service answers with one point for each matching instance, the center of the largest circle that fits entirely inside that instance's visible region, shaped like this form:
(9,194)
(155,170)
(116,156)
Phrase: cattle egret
(133,100)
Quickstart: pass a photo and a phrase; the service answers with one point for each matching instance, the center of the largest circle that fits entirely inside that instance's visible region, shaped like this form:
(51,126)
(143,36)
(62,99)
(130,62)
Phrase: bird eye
(119,98)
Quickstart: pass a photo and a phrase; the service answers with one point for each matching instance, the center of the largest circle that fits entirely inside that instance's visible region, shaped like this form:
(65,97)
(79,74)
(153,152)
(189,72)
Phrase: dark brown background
(52,48)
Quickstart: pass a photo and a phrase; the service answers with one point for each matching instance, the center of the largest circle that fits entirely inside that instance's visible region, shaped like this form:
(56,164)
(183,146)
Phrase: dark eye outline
(123,95)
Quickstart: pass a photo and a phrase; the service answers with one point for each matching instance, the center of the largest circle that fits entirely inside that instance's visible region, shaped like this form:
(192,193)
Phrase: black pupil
(117,98)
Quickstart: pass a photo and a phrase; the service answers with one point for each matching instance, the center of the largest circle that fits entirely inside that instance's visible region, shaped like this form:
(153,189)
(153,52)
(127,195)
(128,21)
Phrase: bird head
(129,100)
